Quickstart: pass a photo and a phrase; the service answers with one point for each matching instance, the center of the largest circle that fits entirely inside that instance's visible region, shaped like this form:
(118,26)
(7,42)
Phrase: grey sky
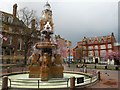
(75,19)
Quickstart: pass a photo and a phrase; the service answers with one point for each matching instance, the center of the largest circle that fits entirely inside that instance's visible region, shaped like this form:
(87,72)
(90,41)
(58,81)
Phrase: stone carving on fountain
(45,62)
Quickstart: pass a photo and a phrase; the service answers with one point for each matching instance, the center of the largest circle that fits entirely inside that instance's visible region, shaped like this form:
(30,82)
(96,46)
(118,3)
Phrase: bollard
(95,66)
(116,68)
(106,67)
(72,83)
(99,78)
(5,83)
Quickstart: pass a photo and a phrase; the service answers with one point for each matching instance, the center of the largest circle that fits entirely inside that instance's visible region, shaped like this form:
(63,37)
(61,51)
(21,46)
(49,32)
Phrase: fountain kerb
(45,60)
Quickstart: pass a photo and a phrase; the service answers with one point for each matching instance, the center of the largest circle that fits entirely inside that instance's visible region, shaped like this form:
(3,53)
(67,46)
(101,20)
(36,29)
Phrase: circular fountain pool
(23,81)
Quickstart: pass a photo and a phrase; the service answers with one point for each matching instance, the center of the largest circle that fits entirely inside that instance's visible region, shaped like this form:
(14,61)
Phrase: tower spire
(46,17)
(47,6)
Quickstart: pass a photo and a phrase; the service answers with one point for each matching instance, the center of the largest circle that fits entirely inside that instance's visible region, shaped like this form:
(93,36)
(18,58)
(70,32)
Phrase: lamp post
(68,43)
(68,56)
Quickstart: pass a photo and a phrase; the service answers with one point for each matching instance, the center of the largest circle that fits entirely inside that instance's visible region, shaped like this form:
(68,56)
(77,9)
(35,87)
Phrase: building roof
(98,38)
(6,13)
(15,21)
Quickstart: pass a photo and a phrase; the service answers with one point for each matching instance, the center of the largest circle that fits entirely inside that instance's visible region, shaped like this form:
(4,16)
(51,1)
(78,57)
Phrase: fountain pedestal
(46,69)
(44,63)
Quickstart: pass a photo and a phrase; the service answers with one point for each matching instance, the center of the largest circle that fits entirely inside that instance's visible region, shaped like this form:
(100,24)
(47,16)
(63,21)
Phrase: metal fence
(55,83)
(35,83)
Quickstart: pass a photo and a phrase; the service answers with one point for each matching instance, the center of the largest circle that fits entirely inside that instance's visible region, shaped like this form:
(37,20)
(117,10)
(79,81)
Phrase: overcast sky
(74,19)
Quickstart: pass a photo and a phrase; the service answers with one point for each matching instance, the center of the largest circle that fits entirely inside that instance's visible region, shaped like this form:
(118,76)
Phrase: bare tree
(30,30)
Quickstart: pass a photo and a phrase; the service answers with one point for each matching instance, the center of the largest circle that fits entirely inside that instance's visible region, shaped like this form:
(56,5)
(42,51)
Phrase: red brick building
(12,37)
(94,49)
(116,47)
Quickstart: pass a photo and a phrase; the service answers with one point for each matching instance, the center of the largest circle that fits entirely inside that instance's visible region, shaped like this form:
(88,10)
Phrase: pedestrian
(8,69)
(85,69)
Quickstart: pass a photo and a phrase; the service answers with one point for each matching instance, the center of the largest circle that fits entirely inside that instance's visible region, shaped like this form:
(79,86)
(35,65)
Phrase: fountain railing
(60,83)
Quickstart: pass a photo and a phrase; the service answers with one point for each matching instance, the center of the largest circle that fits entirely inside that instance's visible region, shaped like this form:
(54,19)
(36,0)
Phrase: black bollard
(116,68)
(106,67)
(99,78)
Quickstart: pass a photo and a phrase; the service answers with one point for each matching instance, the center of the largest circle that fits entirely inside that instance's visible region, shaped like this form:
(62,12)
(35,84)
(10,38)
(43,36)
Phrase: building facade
(12,37)
(94,49)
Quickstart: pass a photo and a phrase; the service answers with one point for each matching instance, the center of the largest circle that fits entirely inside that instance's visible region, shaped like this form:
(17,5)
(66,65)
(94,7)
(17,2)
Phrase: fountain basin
(23,81)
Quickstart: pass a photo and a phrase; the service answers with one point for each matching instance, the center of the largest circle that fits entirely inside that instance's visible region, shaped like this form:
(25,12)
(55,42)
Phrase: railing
(20,83)
(60,83)
(89,81)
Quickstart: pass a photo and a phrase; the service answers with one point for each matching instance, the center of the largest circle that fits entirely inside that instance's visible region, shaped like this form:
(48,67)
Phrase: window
(102,47)
(109,40)
(96,47)
(10,19)
(109,46)
(84,53)
(90,53)
(90,47)
(84,48)
(103,53)
(109,51)
(96,53)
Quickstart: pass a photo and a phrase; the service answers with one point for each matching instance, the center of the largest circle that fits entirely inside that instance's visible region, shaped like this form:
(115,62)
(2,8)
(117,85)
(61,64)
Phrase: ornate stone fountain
(45,62)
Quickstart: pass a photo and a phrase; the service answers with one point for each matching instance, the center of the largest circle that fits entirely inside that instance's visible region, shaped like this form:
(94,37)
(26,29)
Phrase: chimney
(33,24)
(14,10)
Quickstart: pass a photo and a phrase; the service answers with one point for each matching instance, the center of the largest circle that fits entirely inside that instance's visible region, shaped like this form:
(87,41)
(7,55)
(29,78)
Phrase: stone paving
(109,78)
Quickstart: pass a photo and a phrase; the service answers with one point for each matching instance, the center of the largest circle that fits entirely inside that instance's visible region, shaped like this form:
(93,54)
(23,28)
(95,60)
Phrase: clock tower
(46,17)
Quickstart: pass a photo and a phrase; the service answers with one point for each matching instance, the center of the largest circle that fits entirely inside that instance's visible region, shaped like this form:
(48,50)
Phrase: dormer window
(3,18)
(90,41)
(96,41)
(102,41)
(10,19)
